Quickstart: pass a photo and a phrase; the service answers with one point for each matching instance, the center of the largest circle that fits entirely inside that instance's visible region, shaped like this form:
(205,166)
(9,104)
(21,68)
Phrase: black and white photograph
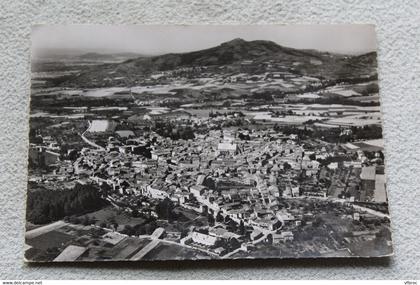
(198,142)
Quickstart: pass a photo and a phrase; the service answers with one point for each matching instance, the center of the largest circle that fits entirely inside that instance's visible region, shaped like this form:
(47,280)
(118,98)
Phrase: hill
(229,57)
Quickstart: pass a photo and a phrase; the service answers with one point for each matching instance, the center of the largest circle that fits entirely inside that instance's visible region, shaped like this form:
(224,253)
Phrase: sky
(154,40)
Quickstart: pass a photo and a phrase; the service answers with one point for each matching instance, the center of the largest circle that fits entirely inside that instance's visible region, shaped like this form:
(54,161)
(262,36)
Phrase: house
(306,162)
(220,250)
(200,179)
(293,136)
(295,191)
(267,223)
(333,165)
(155,192)
(285,217)
(197,190)
(113,237)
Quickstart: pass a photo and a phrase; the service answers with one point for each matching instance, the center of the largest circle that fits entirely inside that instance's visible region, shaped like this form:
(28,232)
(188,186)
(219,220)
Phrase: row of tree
(333,135)
(168,129)
(45,206)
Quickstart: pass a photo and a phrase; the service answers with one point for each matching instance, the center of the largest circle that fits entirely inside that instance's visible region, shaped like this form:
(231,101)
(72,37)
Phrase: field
(49,240)
(357,120)
(109,214)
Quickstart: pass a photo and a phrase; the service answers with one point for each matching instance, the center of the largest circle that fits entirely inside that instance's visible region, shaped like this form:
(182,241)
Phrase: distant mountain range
(229,57)
(80,55)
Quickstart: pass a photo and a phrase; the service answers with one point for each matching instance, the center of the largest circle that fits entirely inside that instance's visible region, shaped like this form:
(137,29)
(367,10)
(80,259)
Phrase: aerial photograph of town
(205,142)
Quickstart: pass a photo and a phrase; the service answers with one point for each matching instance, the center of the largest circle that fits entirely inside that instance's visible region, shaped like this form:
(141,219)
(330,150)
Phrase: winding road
(89,141)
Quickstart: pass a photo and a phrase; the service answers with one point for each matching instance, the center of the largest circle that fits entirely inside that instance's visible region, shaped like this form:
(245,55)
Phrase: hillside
(229,57)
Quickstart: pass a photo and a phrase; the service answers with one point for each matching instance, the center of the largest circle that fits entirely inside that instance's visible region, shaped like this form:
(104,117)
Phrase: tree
(128,230)
(75,220)
(286,166)
(135,213)
(165,210)
(85,221)
(318,222)
(150,227)
(219,218)
(45,206)
(232,225)
(270,239)
(73,155)
(233,243)
(241,228)
(210,183)
(184,233)
(226,104)
(211,220)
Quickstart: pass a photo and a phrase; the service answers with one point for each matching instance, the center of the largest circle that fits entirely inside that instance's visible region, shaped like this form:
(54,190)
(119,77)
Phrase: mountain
(111,57)
(230,55)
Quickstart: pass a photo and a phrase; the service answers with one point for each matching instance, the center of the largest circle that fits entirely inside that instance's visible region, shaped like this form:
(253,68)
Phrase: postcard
(205,142)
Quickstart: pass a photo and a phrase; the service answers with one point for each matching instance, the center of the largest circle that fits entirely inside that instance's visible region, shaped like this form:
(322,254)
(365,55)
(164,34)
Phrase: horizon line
(111,51)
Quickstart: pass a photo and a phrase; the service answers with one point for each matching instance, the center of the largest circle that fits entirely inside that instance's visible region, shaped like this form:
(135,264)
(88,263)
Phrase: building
(42,157)
(155,192)
(204,239)
(197,190)
(283,237)
(333,165)
(267,224)
(227,147)
(220,250)
(285,217)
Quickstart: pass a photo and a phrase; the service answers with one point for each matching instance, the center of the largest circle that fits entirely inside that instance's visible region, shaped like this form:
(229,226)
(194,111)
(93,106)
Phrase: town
(207,163)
